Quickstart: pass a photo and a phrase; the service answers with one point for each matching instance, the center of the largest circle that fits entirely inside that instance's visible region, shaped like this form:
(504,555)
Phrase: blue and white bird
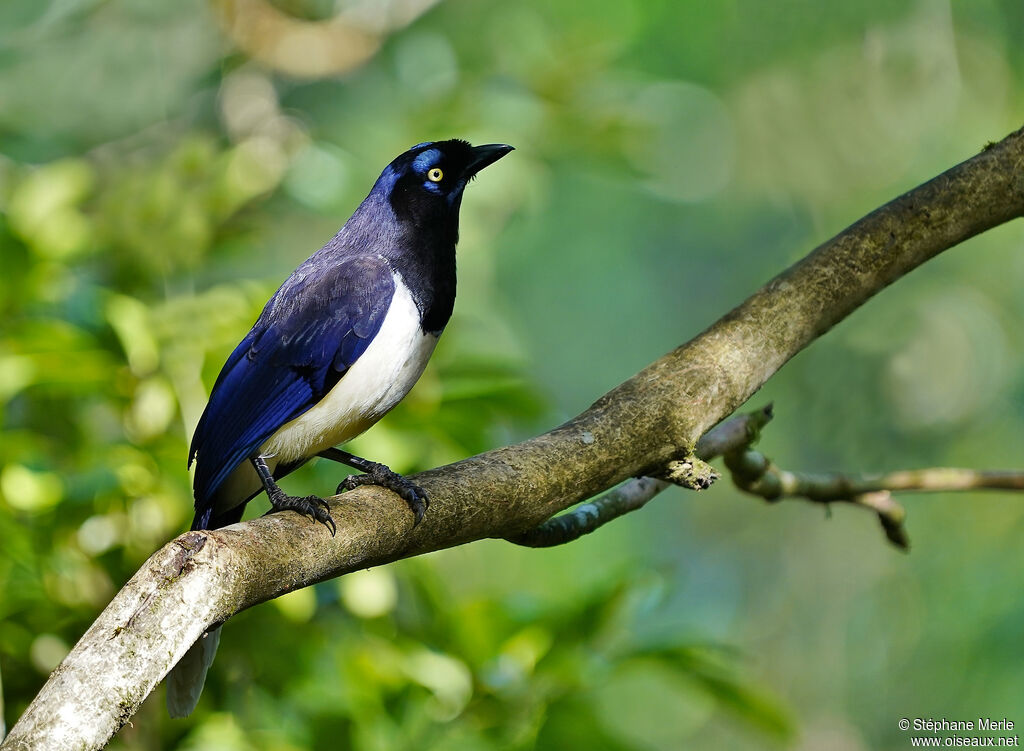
(340,343)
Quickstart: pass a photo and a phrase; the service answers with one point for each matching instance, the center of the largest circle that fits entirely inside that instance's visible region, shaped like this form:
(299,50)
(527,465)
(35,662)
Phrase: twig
(584,519)
(756,474)
(735,433)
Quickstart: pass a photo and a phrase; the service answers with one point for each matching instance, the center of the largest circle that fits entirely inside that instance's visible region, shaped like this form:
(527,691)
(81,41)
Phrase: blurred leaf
(298,606)
(43,208)
(27,490)
(130,320)
(711,669)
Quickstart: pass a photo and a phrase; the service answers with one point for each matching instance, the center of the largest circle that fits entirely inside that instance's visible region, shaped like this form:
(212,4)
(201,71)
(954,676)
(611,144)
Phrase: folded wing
(310,333)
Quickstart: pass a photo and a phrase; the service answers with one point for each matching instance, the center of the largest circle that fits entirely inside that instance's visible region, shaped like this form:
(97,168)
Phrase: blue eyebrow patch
(387,179)
(425,143)
(425,160)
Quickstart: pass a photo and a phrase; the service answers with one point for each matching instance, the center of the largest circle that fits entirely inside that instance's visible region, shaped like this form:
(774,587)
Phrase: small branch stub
(691,472)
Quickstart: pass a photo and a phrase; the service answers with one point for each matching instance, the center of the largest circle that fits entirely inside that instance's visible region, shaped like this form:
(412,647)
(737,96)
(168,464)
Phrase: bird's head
(426,182)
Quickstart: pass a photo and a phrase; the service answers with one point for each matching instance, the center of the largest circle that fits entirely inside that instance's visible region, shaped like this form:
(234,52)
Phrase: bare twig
(203,578)
(585,518)
(735,433)
(756,474)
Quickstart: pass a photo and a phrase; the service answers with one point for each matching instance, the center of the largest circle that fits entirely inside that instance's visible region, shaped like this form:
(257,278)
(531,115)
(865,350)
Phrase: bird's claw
(313,506)
(411,493)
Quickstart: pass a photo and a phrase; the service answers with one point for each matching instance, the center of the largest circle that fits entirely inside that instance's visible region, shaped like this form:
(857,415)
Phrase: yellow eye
(435,175)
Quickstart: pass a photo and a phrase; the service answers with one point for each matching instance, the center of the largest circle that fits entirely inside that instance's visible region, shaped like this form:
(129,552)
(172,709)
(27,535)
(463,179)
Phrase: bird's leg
(313,506)
(380,474)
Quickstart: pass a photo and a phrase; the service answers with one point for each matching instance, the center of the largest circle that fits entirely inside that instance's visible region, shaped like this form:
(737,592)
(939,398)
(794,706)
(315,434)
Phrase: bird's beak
(485,155)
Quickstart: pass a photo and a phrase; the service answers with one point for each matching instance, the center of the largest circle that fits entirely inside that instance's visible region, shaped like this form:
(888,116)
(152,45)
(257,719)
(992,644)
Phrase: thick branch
(203,578)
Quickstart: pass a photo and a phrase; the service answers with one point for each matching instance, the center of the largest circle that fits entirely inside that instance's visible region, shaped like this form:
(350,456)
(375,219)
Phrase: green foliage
(396,662)
(157,183)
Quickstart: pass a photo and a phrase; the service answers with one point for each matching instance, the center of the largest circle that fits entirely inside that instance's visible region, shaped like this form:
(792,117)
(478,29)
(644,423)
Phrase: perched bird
(340,343)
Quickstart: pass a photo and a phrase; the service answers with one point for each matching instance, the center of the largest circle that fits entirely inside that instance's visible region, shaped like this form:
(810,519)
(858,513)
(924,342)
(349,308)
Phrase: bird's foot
(379,474)
(313,506)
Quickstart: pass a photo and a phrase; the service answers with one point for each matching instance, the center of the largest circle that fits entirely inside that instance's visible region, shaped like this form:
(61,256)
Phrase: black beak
(485,155)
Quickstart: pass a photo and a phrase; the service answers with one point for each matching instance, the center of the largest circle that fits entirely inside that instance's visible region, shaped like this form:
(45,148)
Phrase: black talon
(313,506)
(379,474)
(382,476)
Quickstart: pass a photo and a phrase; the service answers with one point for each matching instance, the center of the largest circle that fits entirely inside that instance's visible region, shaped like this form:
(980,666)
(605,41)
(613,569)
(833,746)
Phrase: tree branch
(734,434)
(203,578)
(754,473)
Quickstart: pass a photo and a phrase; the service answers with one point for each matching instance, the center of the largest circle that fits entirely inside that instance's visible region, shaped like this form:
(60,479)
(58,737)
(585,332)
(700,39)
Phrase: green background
(157,183)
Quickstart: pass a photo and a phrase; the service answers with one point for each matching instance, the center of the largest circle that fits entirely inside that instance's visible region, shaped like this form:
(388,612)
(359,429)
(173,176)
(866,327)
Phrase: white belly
(378,380)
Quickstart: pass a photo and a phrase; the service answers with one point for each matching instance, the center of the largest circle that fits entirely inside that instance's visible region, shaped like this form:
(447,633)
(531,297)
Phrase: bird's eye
(435,175)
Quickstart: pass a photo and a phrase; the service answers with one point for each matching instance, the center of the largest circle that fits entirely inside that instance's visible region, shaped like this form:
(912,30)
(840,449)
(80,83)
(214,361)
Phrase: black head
(425,184)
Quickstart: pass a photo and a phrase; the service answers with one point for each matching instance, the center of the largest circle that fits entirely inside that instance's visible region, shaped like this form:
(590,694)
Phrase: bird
(338,345)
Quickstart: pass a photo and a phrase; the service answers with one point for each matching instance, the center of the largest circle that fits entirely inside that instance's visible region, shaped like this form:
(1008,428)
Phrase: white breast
(378,380)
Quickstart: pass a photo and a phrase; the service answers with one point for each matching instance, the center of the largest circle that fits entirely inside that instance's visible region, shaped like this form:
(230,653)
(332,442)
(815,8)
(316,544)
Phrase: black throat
(425,254)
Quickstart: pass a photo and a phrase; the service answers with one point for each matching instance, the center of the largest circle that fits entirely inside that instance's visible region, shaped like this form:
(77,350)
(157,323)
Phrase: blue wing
(310,333)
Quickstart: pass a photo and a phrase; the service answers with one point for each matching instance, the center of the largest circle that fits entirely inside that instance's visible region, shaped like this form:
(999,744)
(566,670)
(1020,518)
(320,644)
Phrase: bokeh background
(164,164)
